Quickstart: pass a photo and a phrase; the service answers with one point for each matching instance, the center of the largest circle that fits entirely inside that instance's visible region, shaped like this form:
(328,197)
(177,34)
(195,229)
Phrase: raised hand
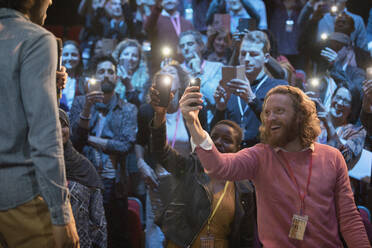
(191,104)
(329,54)
(98,4)
(61,78)
(241,88)
(221,96)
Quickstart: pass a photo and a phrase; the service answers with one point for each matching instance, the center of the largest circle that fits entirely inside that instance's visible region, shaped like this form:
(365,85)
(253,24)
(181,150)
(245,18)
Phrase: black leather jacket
(188,210)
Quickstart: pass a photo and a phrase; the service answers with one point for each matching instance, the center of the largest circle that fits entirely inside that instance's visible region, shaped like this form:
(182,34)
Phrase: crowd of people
(255,155)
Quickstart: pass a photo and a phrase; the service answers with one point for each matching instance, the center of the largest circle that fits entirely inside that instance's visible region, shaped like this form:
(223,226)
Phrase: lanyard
(242,112)
(217,206)
(302,195)
(175,131)
(176,24)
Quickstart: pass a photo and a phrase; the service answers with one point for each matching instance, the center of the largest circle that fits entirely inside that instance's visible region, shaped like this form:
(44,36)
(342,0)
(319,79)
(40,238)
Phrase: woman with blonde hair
(132,72)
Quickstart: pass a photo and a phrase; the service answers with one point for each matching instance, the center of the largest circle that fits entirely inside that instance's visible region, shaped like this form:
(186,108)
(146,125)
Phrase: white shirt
(69,91)
(181,144)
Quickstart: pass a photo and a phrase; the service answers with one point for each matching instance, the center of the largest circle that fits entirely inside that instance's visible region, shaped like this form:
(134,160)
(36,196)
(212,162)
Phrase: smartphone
(246,23)
(146,46)
(93,85)
(195,82)
(163,83)
(232,72)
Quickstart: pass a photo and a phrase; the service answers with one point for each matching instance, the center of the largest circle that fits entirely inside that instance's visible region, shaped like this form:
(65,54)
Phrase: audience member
(104,130)
(71,59)
(140,17)
(34,206)
(164,26)
(199,18)
(238,9)
(132,72)
(339,127)
(240,100)
(326,20)
(203,206)
(283,25)
(192,46)
(218,46)
(112,20)
(85,192)
(179,139)
(299,183)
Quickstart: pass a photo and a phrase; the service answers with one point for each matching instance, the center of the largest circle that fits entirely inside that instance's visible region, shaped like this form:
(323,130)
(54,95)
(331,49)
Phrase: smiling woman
(338,125)
(132,71)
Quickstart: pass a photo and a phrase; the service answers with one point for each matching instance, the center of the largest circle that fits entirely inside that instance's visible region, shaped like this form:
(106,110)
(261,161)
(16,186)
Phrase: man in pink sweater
(303,191)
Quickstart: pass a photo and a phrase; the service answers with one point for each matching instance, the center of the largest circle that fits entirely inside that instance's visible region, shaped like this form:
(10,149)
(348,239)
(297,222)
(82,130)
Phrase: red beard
(285,134)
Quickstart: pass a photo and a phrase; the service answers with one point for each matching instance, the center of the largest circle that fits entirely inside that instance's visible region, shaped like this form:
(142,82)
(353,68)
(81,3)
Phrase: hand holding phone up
(94,93)
(235,82)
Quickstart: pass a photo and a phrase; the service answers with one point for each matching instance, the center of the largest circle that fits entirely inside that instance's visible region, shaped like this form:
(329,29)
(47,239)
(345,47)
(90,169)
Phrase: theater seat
(135,217)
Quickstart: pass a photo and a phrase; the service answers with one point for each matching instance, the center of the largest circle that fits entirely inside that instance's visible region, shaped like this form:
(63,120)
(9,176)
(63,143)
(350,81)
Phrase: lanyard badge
(207,241)
(298,227)
(299,221)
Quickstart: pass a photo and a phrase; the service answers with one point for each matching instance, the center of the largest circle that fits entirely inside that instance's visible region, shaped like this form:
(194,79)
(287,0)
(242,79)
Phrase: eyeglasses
(342,100)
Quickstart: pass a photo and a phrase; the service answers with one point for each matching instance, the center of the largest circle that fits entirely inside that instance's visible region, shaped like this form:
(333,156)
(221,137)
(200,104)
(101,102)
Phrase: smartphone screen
(163,83)
(232,72)
(93,85)
(247,23)
(195,82)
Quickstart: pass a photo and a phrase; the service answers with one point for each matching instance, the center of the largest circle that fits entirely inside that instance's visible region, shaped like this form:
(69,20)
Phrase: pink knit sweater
(329,204)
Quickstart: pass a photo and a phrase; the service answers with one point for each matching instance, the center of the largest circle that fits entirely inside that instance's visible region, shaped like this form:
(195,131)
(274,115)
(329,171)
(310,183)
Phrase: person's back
(31,159)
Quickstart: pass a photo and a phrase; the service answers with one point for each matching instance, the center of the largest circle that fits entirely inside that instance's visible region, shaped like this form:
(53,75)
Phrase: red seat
(134,222)
(73,33)
(57,30)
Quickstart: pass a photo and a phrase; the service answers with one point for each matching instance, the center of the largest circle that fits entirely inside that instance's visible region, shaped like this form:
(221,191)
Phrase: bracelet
(85,118)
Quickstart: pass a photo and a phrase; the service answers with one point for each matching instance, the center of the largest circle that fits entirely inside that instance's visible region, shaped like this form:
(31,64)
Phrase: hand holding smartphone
(232,72)
(93,85)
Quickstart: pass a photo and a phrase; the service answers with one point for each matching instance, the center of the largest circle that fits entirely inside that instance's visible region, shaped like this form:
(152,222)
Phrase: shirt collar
(311,148)
(258,80)
(165,13)
(7,12)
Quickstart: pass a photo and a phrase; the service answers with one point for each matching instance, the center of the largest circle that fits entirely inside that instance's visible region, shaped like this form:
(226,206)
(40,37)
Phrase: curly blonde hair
(304,107)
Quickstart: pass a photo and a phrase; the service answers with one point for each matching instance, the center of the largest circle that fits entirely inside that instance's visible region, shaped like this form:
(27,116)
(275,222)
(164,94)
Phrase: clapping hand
(329,54)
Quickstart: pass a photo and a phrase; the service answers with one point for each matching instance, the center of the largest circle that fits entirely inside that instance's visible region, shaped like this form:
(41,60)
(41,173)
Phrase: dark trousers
(116,211)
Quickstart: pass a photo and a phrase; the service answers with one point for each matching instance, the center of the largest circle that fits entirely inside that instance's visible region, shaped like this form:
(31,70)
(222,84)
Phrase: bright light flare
(166,51)
(167,80)
(334,9)
(92,81)
(324,36)
(314,82)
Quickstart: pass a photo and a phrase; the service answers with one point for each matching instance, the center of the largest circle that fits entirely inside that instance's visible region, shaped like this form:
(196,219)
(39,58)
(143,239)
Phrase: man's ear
(267,56)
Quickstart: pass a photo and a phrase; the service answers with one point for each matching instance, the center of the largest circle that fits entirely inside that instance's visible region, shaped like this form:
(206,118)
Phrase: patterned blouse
(352,141)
